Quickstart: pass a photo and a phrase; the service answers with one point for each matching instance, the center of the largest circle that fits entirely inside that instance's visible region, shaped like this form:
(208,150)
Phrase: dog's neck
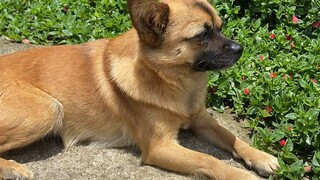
(143,80)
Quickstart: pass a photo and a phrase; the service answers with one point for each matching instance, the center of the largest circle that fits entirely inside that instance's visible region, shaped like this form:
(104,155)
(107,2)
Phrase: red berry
(261,58)
(316,24)
(211,90)
(289,38)
(269,108)
(314,81)
(292,45)
(295,19)
(273,75)
(272,36)
(246,91)
(291,76)
(284,77)
(282,142)
(243,78)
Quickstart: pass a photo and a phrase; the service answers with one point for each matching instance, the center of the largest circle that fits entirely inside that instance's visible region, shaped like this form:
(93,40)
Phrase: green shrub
(62,21)
(276,84)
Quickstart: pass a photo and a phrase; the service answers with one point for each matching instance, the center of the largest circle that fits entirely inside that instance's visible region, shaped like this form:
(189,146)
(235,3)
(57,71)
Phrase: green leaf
(316,159)
(308,140)
(313,114)
(292,116)
(263,133)
(231,93)
(297,168)
(282,164)
(290,157)
(67,32)
(298,165)
(289,145)
(223,83)
(277,136)
(252,110)
(246,83)
(278,101)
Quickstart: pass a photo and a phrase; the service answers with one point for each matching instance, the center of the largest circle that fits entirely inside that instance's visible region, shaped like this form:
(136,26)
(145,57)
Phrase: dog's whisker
(203,68)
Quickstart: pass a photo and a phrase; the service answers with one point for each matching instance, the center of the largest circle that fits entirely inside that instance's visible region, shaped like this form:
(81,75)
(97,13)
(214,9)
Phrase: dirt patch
(47,159)
(7,47)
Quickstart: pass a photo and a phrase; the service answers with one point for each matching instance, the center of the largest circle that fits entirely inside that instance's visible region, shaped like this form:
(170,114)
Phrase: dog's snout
(234,48)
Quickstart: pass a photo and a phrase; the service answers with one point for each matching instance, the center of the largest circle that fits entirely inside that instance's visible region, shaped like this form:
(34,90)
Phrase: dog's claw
(263,163)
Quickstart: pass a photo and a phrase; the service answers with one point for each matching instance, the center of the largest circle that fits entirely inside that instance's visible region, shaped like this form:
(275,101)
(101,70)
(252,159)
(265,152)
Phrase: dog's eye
(205,34)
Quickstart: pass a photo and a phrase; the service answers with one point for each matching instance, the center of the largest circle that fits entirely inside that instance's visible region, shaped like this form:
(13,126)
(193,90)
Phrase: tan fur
(121,92)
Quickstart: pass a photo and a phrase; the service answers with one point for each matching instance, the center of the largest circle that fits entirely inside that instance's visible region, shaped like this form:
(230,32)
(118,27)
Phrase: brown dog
(139,88)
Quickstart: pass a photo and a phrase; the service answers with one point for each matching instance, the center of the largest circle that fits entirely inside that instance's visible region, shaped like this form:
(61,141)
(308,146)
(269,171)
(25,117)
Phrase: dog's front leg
(170,155)
(159,147)
(207,127)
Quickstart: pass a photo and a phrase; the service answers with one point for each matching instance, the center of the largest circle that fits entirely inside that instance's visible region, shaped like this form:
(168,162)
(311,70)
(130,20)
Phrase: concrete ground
(48,160)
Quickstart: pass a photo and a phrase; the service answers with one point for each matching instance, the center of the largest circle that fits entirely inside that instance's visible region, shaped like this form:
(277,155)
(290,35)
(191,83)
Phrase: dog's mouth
(218,53)
(218,56)
(210,61)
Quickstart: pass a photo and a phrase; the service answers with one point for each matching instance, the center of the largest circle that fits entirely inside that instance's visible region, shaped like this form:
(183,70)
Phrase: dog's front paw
(11,170)
(263,163)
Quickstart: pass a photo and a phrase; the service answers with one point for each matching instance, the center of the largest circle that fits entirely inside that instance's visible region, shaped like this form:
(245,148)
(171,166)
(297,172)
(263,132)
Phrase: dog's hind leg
(27,114)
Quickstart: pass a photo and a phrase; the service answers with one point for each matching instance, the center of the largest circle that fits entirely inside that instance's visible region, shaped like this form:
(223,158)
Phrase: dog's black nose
(234,48)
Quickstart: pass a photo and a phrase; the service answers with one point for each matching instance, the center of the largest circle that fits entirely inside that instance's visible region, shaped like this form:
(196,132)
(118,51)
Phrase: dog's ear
(150,19)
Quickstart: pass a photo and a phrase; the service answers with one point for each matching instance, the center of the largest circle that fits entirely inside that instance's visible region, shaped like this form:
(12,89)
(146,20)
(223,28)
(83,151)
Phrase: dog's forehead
(194,11)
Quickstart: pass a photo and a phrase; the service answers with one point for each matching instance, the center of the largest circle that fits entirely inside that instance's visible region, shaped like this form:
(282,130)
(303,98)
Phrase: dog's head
(183,32)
